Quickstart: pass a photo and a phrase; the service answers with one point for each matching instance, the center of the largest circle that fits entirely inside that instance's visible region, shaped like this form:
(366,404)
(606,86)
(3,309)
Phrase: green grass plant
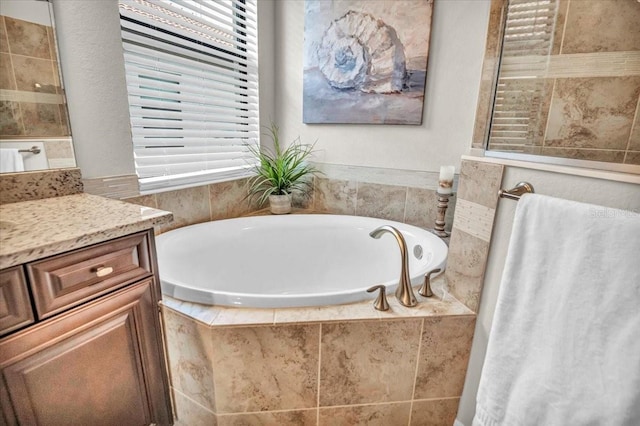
(280,171)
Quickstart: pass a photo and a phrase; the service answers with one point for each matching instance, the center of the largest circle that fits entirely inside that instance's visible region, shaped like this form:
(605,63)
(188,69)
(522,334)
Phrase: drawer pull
(102,271)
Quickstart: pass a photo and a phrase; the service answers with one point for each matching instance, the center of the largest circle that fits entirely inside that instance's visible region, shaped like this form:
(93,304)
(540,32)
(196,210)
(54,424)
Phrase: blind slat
(154,78)
(159,169)
(155,109)
(141,94)
(192,146)
(174,64)
(192,57)
(232,51)
(152,132)
(185,180)
(195,119)
(187,88)
(178,19)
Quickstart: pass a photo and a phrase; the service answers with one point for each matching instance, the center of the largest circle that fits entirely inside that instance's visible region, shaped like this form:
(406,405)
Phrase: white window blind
(192,78)
(517,119)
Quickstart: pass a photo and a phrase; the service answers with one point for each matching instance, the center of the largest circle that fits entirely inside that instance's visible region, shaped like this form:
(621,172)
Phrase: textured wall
(453,75)
(93,70)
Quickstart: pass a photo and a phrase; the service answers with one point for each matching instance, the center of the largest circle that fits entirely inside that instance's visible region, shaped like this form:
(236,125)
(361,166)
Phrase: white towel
(564,347)
(11,160)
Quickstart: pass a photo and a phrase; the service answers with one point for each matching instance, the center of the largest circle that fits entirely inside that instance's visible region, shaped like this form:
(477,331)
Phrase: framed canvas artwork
(365,62)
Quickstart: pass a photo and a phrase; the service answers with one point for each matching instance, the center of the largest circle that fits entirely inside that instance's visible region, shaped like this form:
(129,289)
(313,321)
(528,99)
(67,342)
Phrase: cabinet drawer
(67,280)
(15,306)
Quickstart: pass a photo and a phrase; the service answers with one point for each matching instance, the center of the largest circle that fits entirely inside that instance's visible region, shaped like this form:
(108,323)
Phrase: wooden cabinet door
(15,305)
(100,364)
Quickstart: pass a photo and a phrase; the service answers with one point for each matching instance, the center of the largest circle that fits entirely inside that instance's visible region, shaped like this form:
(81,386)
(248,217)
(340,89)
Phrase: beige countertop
(36,229)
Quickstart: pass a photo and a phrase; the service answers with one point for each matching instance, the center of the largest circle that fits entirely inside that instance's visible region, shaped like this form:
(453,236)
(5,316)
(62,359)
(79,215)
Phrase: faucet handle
(425,290)
(381,303)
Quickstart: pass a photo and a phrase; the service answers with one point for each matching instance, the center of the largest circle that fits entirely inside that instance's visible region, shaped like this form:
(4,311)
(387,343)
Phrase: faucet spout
(404,292)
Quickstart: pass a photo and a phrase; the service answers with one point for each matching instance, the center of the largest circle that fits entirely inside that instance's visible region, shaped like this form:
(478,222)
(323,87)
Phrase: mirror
(34,125)
(566,84)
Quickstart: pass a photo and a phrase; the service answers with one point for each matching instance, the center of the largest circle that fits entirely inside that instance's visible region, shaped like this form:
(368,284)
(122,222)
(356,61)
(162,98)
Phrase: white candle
(445,182)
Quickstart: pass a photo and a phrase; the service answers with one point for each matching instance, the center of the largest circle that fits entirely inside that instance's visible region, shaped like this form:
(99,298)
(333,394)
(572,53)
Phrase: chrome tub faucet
(404,292)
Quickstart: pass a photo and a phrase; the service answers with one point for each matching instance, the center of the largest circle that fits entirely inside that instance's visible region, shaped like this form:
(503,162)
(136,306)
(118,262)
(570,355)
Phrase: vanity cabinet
(94,353)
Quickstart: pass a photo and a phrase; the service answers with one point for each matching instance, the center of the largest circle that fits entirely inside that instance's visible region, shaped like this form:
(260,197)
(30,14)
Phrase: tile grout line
(553,88)
(633,126)
(406,202)
(564,28)
(288,410)
(209,196)
(294,410)
(546,126)
(15,81)
(415,375)
(372,404)
(190,400)
(319,365)
(355,203)
(208,346)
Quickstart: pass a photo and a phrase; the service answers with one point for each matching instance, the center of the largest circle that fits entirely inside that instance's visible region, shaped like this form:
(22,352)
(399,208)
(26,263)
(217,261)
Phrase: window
(192,78)
(518,123)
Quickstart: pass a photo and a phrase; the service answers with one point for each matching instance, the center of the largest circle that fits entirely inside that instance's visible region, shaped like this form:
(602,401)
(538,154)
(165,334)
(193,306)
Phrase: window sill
(621,172)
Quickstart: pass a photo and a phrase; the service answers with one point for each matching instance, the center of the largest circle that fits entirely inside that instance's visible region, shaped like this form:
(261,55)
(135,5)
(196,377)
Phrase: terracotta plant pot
(280,204)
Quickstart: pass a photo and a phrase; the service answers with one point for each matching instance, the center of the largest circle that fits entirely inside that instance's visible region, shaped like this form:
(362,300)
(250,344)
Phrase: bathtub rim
(183,291)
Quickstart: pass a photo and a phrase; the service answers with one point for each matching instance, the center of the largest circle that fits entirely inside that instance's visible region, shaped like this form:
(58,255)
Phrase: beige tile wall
(415,206)
(412,205)
(33,102)
(472,228)
(199,204)
(590,104)
(333,365)
(408,371)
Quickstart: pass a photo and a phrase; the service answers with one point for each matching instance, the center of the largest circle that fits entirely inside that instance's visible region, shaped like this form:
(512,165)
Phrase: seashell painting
(365,62)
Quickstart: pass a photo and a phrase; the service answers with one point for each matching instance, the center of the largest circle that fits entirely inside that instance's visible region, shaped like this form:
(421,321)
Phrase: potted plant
(279,171)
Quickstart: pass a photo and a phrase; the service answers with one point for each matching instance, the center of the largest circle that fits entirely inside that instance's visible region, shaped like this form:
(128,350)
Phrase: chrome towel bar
(32,150)
(515,193)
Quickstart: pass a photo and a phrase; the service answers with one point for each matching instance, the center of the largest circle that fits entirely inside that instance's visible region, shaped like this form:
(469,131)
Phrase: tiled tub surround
(199,204)
(472,229)
(334,365)
(32,101)
(590,97)
(410,197)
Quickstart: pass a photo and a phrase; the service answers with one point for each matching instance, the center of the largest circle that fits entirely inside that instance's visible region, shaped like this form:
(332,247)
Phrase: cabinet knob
(102,271)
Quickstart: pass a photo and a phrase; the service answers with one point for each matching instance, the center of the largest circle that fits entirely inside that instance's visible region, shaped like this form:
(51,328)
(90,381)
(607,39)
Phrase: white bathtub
(289,260)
